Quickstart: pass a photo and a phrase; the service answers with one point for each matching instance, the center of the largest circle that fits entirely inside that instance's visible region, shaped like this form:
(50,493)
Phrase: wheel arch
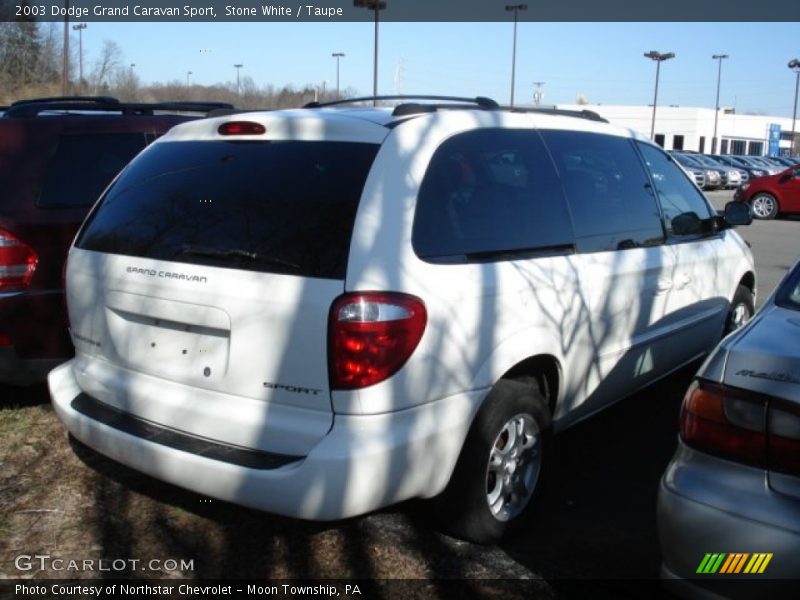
(748,280)
(546,370)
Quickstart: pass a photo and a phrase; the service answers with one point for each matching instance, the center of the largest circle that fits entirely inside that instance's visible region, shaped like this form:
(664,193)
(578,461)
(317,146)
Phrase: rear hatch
(199,288)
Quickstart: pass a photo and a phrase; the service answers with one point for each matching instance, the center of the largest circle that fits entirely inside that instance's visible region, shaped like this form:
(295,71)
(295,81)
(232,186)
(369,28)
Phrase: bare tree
(106,68)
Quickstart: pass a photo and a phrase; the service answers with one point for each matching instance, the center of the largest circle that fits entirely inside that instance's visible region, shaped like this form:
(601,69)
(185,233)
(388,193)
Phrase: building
(691,128)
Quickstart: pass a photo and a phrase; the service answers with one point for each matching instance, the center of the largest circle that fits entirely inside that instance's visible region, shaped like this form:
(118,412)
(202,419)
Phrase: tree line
(31,66)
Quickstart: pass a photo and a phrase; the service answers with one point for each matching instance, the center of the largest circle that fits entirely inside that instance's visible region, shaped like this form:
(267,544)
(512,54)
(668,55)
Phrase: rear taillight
(17,262)
(783,430)
(742,426)
(717,420)
(371,335)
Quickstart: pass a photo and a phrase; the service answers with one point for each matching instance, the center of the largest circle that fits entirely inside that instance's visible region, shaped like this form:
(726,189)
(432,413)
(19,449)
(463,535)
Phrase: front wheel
(765,206)
(741,311)
(500,467)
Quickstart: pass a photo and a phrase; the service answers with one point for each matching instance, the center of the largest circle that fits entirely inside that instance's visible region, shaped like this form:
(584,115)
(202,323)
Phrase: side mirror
(738,213)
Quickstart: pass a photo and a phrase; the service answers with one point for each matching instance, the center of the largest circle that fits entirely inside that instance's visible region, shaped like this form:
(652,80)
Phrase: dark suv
(57,155)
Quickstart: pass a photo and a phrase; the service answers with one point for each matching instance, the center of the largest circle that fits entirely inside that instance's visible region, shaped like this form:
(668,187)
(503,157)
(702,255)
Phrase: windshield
(282,207)
(685,160)
(709,162)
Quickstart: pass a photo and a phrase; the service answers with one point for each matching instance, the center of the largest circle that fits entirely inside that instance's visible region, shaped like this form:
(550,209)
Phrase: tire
(500,466)
(741,311)
(765,206)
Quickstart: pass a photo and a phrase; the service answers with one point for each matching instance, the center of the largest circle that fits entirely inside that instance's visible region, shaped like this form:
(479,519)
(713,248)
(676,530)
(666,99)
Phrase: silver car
(729,501)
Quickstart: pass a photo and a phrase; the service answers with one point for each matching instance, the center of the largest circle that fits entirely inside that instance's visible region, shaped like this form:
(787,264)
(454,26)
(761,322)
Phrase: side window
(487,193)
(683,205)
(607,191)
(83,165)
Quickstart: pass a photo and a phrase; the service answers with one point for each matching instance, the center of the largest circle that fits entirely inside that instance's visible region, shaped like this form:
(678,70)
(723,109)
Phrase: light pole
(659,57)
(65,67)
(718,58)
(516,8)
(376,6)
(538,94)
(238,81)
(337,56)
(794,65)
(79,28)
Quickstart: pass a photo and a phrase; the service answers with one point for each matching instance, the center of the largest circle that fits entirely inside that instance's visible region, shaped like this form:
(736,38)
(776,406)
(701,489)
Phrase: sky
(603,62)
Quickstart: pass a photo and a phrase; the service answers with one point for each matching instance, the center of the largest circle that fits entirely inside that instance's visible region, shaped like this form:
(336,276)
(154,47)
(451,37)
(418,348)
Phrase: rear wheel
(742,309)
(765,206)
(500,467)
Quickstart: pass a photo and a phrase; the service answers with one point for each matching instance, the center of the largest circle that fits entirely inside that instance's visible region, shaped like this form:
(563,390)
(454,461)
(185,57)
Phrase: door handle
(663,286)
(683,281)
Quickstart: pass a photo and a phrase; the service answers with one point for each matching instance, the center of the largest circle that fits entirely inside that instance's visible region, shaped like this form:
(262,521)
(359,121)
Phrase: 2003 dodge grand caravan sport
(324,311)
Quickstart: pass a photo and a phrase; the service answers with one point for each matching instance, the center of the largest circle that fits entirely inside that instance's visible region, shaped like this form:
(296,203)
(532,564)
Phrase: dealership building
(689,128)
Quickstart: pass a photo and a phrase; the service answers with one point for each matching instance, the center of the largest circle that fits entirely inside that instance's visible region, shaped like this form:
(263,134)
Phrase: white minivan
(323,311)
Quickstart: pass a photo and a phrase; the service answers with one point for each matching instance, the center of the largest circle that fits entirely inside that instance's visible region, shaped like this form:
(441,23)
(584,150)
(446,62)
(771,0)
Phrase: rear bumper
(362,464)
(18,371)
(36,324)
(710,505)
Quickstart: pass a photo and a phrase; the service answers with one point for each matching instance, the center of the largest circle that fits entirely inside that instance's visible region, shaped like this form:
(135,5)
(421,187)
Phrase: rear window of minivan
(280,207)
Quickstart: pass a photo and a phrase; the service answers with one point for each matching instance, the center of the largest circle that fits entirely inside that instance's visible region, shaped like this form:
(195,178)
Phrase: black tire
(463,509)
(764,206)
(741,310)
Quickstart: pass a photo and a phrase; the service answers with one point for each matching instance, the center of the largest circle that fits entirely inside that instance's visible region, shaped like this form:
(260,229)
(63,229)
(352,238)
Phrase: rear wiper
(236,253)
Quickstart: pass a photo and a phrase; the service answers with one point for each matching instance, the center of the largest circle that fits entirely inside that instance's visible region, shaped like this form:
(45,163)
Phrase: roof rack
(35,106)
(96,99)
(454,102)
(479,101)
(552,110)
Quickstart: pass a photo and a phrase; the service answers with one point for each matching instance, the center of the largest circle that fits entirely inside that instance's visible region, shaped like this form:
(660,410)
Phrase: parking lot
(595,520)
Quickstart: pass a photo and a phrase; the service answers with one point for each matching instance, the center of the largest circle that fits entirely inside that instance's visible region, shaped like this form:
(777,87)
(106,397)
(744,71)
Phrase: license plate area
(168,347)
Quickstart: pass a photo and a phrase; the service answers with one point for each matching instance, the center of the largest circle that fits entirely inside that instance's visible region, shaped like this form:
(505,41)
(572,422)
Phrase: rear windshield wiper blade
(236,253)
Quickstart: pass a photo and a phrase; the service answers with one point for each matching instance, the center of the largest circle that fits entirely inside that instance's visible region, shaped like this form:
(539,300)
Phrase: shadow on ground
(594,523)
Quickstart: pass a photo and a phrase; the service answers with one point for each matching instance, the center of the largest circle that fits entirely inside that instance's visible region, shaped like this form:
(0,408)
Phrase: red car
(57,155)
(774,194)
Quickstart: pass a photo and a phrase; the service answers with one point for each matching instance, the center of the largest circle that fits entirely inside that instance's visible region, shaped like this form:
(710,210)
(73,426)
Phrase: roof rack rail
(88,99)
(552,110)
(480,101)
(455,102)
(32,108)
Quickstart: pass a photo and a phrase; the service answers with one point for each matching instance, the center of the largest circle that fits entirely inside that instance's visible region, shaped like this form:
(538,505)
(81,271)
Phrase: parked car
(731,176)
(729,501)
(56,157)
(322,312)
(741,162)
(772,195)
(697,174)
(764,163)
(786,161)
(713,176)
